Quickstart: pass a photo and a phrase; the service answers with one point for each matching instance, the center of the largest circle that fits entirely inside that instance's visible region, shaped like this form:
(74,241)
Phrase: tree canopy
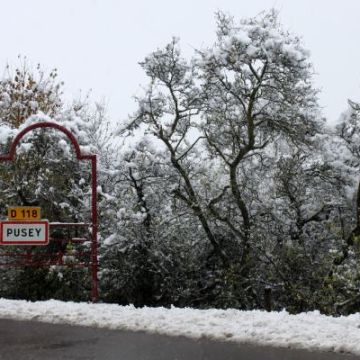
(224,185)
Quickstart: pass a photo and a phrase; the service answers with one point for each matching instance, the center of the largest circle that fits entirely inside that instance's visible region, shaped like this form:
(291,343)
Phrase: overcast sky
(97,44)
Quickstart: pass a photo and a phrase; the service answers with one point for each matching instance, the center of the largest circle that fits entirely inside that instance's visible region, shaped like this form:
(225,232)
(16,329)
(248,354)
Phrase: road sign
(24,233)
(81,156)
(24,213)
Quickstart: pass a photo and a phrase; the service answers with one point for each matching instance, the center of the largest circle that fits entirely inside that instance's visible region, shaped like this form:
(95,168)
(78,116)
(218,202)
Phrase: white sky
(97,44)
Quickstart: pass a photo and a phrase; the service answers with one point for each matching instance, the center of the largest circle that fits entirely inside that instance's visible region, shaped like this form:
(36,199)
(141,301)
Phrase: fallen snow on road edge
(311,330)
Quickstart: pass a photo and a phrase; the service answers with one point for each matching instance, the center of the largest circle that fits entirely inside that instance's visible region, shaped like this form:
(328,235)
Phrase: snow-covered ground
(311,330)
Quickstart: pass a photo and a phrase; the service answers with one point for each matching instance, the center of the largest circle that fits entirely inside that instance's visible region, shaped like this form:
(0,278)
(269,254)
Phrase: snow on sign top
(24,213)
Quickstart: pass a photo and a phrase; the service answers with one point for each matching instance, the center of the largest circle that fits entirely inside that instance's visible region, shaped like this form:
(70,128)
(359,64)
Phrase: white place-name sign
(24,233)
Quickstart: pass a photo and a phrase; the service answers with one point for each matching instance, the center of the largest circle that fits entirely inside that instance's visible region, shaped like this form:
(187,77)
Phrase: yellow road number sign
(24,213)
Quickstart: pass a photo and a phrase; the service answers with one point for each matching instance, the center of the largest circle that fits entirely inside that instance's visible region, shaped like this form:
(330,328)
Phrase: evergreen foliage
(225,184)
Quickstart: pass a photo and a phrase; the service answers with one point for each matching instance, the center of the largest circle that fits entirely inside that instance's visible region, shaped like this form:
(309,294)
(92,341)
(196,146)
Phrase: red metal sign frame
(80,156)
(22,242)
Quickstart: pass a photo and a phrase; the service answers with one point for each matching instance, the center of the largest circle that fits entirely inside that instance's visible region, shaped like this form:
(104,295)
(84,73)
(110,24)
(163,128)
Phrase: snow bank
(311,330)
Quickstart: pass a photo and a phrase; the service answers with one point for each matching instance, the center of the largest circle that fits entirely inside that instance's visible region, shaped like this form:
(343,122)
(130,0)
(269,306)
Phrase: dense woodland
(226,185)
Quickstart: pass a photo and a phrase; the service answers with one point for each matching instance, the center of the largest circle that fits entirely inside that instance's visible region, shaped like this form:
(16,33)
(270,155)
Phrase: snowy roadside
(311,331)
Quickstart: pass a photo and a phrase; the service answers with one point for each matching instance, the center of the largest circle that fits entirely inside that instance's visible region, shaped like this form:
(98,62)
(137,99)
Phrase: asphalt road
(39,341)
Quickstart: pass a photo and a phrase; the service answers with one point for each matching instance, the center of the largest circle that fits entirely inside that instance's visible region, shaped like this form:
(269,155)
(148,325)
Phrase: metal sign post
(18,230)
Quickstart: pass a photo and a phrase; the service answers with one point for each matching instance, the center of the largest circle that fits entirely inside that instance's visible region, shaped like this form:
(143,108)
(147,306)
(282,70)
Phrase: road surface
(39,341)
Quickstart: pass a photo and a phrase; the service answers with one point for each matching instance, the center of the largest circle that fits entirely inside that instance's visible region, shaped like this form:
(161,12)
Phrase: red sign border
(33,242)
